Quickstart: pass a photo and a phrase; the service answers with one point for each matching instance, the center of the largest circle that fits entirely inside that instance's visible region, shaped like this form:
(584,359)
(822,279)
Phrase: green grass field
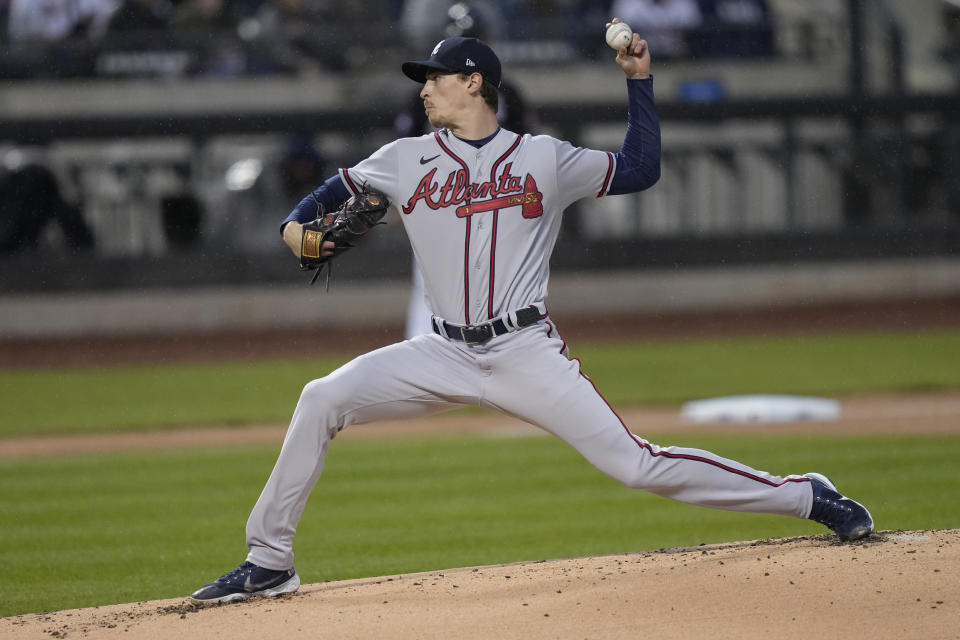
(131,398)
(94,530)
(98,529)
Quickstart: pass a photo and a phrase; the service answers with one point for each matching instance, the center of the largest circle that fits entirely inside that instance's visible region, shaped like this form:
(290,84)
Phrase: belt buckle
(476,334)
(527,316)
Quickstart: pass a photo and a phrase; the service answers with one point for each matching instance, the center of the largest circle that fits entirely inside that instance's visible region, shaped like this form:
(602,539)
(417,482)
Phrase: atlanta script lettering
(492,194)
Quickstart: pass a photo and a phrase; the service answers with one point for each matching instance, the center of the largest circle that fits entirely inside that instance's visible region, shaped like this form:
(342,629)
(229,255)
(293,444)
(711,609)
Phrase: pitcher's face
(445,98)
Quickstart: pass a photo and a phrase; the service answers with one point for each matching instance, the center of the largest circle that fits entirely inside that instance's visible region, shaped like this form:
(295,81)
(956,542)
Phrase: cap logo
(470,63)
(437,48)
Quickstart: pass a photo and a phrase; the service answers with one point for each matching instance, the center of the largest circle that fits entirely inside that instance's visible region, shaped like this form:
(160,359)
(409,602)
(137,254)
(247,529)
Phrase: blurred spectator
(32,199)
(392,9)
(734,29)
(302,168)
(139,42)
(243,8)
(210,14)
(284,35)
(141,15)
(950,50)
(427,22)
(574,25)
(4,15)
(664,24)
(209,29)
(54,20)
(53,38)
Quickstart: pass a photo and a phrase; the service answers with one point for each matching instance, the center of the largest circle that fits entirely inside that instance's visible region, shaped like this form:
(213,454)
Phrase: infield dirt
(900,584)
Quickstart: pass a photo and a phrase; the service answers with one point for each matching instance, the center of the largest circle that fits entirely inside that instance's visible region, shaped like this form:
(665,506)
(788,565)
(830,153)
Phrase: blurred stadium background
(150,148)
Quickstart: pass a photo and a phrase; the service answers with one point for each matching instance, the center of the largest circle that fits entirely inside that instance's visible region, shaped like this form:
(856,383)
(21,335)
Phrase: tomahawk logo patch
(528,201)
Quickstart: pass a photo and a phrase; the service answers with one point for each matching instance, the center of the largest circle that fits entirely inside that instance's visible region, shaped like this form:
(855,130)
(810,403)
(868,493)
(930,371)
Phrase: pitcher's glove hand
(353,221)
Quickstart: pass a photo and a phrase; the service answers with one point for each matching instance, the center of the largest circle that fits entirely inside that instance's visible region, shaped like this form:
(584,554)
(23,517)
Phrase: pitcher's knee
(314,393)
(320,403)
(328,390)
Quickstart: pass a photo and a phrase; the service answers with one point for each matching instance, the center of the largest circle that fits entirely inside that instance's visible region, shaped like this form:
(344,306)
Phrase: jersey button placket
(478,309)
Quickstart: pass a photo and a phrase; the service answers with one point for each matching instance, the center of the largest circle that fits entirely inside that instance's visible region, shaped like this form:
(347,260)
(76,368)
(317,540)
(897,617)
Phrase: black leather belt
(474,334)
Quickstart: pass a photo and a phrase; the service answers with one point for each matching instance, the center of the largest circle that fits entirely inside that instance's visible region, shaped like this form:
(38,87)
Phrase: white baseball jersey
(483,222)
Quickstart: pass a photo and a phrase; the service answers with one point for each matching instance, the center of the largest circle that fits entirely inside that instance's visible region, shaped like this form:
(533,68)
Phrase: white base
(761,408)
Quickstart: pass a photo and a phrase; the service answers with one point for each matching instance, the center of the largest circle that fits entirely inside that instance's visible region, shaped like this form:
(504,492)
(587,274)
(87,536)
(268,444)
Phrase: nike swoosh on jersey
(426,160)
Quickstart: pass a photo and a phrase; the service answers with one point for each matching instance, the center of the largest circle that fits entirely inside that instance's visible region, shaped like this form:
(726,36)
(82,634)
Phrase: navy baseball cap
(455,55)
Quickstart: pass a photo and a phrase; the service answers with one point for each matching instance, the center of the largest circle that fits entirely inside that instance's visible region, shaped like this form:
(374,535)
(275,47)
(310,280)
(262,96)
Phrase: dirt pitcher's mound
(893,585)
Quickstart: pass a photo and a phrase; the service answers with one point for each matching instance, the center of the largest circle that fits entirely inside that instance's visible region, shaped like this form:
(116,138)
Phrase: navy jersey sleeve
(638,161)
(330,195)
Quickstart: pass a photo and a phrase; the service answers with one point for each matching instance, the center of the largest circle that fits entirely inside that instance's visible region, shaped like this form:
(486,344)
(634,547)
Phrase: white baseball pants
(525,374)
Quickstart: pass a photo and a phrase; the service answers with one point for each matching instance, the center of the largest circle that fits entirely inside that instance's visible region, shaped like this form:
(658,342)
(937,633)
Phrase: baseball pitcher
(481,206)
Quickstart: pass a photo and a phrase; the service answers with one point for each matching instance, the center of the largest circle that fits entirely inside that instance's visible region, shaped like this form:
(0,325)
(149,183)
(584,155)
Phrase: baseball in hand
(619,35)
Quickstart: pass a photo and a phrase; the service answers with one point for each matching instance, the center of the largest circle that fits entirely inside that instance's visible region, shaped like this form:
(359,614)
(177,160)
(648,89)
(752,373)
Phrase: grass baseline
(42,402)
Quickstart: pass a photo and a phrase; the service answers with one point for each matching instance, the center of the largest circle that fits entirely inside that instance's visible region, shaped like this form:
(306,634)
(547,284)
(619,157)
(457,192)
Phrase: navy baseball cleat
(848,518)
(246,581)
